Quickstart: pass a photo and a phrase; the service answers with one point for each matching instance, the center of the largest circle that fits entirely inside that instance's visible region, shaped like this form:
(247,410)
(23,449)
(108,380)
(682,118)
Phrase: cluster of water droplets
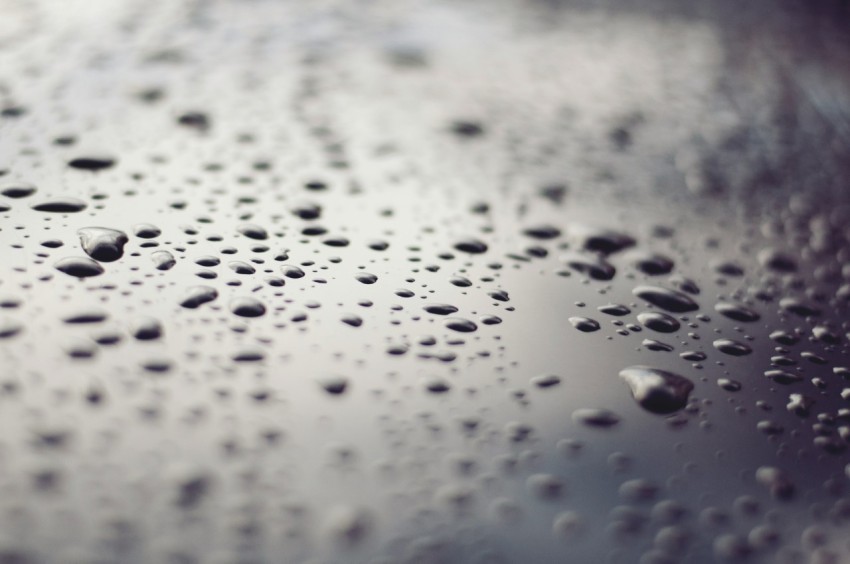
(257,309)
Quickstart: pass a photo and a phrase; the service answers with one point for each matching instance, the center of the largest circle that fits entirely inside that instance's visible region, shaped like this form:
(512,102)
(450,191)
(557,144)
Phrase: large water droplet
(670,300)
(103,244)
(81,267)
(656,390)
(61,205)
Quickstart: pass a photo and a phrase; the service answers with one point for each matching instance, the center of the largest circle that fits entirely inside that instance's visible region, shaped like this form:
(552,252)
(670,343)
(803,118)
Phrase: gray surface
(708,133)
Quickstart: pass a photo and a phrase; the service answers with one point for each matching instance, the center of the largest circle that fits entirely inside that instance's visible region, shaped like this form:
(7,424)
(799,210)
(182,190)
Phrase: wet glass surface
(424,282)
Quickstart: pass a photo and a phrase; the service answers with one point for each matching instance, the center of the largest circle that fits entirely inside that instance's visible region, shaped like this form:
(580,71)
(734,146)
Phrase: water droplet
(291,271)
(652,264)
(660,322)
(777,482)
(87,316)
(731,347)
(471,246)
(61,205)
(542,232)
(92,163)
(352,320)
(146,329)
(9,328)
(617,310)
(670,300)
(783,377)
(606,241)
(253,231)
(440,309)
(334,385)
(460,282)
(461,325)
(103,244)
(307,211)
(596,417)
(546,380)
(655,345)
(146,231)
(584,324)
(81,267)
(593,266)
(365,278)
(777,261)
(656,390)
(247,307)
(18,190)
(729,385)
(736,312)
(799,307)
(163,260)
(199,295)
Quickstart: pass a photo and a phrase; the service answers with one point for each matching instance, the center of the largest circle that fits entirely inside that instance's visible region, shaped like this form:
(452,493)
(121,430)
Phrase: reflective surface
(444,282)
